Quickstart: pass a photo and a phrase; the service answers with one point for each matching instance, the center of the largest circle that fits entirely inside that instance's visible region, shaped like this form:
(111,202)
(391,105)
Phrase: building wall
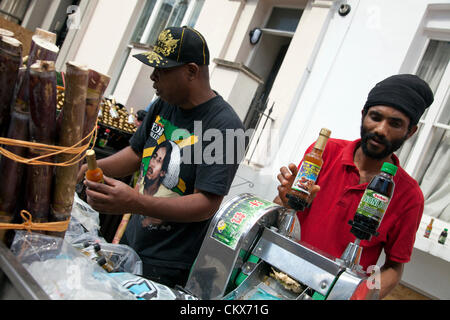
(357,51)
(105,33)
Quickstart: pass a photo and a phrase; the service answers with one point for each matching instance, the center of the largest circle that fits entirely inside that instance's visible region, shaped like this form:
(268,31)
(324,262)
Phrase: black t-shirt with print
(205,152)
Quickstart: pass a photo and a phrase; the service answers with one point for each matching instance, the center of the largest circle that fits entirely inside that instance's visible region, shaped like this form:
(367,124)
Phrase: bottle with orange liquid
(94,173)
(428,229)
(308,173)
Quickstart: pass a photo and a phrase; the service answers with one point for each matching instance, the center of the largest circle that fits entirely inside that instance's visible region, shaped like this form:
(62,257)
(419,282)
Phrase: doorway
(273,49)
(268,58)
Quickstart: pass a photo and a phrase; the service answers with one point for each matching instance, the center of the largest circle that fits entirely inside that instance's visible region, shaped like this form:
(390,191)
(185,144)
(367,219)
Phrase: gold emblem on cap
(166,45)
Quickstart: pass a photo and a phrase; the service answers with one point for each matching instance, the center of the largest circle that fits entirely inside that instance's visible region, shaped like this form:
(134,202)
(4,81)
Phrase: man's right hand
(286,178)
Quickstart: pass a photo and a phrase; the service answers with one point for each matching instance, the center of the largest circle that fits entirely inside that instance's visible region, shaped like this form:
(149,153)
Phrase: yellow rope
(29,225)
(50,151)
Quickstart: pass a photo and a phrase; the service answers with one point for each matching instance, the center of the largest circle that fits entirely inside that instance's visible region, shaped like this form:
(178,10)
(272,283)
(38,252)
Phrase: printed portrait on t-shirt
(159,174)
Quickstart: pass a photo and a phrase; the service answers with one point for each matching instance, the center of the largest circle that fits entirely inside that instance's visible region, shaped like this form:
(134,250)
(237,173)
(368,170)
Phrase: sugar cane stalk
(42,130)
(71,133)
(11,172)
(41,49)
(6,33)
(46,35)
(96,88)
(10,62)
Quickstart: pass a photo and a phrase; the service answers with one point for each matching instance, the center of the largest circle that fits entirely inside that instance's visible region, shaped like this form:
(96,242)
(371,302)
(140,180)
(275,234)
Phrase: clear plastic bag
(83,234)
(62,271)
(118,257)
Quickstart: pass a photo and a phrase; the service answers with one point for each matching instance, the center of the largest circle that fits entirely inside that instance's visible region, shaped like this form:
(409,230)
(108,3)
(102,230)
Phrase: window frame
(155,12)
(430,29)
(16,19)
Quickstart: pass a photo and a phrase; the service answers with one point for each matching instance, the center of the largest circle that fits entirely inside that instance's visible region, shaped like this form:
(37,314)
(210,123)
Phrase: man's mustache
(377,138)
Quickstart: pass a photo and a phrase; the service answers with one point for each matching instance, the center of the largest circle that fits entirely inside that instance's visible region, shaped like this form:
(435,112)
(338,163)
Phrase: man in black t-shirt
(183,145)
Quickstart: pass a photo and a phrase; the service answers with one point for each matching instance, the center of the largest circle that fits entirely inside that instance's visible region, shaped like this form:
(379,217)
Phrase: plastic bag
(85,215)
(118,257)
(144,289)
(83,233)
(63,272)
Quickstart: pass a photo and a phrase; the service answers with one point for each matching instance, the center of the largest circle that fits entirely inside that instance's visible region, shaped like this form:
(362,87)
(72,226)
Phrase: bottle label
(102,143)
(306,177)
(373,205)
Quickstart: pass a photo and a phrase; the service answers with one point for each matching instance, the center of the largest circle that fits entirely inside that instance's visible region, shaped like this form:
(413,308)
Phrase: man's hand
(112,197)
(286,178)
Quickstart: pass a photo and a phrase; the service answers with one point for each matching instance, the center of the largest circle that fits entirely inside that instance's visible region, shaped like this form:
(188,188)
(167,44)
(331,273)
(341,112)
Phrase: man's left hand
(111,197)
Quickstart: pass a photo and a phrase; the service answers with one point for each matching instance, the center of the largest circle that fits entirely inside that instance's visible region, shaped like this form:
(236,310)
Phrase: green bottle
(374,203)
(443,236)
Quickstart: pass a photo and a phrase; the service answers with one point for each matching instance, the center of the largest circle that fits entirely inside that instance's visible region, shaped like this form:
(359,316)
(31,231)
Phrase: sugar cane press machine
(252,252)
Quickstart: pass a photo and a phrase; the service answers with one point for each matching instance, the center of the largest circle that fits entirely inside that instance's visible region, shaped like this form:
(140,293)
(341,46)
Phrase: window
(14,10)
(159,14)
(284,19)
(427,156)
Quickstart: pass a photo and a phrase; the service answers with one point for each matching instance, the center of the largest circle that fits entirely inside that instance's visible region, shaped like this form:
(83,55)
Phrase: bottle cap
(97,247)
(325,132)
(91,161)
(389,168)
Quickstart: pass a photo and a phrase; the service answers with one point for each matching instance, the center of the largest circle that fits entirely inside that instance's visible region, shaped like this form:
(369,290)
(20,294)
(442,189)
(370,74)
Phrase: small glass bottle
(428,229)
(93,173)
(103,140)
(443,236)
(102,260)
(308,172)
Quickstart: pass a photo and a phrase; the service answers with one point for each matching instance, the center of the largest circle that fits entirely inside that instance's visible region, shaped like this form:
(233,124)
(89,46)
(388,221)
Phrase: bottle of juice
(428,229)
(308,173)
(374,203)
(103,139)
(443,236)
(94,173)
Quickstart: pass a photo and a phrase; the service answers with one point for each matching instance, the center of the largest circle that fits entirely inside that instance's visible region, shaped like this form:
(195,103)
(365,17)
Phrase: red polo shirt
(325,224)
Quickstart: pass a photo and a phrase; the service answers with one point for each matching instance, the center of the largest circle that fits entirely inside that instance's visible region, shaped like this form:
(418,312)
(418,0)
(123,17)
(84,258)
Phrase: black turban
(405,92)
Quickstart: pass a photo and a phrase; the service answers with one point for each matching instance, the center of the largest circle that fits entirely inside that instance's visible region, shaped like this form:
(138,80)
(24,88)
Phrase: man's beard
(390,146)
(150,182)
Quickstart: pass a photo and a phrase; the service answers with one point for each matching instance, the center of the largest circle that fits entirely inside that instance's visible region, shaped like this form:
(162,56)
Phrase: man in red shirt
(390,116)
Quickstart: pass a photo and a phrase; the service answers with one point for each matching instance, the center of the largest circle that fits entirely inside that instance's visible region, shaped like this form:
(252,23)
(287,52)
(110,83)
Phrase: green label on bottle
(373,205)
(306,177)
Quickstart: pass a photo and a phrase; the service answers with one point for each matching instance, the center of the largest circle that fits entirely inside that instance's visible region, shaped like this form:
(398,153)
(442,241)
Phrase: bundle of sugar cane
(10,62)
(42,130)
(71,132)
